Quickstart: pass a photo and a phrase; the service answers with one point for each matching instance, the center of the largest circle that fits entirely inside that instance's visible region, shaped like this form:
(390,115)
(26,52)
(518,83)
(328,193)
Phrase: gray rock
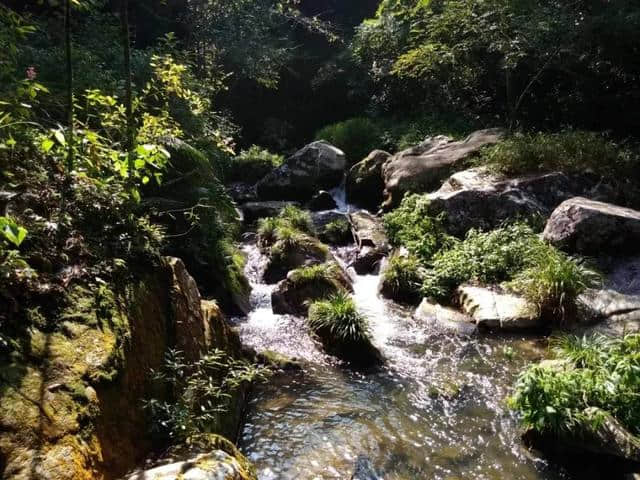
(492,309)
(613,312)
(423,168)
(445,318)
(364,185)
(321,201)
(217,465)
(253,211)
(478,198)
(364,469)
(368,231)
(319,165)
(585,226)
(368,260)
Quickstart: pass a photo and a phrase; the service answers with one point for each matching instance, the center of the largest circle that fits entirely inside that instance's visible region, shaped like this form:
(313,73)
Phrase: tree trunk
(69,68)
(128,99)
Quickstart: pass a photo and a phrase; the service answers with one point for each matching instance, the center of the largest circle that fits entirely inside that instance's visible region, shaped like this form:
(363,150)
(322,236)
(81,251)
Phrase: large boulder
(589,227)
(252,211)
(364,185)
(294,294)
(612,313)
(423,168)
(495,310)
(479,198)
(319,165)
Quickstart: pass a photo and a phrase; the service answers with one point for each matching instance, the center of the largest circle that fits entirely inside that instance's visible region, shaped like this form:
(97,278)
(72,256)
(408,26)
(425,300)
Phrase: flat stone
(614,313)
(444,317)
(491,309)
(217,465)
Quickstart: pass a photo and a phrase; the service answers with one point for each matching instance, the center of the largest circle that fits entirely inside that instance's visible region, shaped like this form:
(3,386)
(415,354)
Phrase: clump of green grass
(516,255)
(412,226)
(252,164)
(402,278)
(315,274)
(553,281)
(337,232)
(291,225)
(593,371)
(568,151)
(339,317)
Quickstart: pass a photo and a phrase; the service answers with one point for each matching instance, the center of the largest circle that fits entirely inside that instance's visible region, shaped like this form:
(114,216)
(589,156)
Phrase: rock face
(321,201)
(477,198)
(444,317)
(364,184)
(500,311)
(294,294)
(423,168)
(75,413)
(319,165)
(588,227)
(252,211)
(364,469)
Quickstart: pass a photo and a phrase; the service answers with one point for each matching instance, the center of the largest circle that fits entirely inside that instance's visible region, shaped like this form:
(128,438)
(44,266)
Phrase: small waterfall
(339,194)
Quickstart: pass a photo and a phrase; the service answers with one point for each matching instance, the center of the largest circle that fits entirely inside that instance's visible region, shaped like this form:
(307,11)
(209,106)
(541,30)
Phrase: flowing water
(435,411)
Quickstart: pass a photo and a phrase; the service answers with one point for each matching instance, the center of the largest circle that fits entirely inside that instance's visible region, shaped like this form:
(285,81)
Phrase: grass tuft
(340,317)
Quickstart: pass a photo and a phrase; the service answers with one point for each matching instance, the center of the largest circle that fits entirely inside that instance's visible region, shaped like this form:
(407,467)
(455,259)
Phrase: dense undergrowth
(587,372)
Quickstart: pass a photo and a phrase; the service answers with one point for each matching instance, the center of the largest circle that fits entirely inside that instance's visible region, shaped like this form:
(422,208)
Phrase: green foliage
(11,231)
(490,257)
(569,151)
(315,274)
(252,164)
(401,133)
(412,226)
(202,392)
(403,277)
(356,137)
(592,372)
(553,281)
(290,225)
(340,317)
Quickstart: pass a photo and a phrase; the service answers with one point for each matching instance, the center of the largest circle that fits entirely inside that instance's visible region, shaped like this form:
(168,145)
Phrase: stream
(435,411)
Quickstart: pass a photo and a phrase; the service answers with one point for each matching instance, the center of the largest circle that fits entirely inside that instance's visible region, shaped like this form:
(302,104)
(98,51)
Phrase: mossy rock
(286,256)
(278,361)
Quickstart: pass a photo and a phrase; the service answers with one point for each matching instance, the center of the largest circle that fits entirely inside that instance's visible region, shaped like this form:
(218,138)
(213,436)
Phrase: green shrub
(203,391)
(553,281)
(568,151)
(253,164)
(593,372)
(315,274)
(411,226)
(402,278)
(339,316)
(356,137)
(292,223)
(297,218)
(490,257)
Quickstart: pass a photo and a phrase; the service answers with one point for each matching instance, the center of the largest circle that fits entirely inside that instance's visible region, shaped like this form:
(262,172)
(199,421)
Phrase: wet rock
(491,309)
(278,361)
(364,185)
(318,165)
(321,201)
(364,469)
(368,261)
(444,317)
(599,433)
(242,192)
(215,465)
(588,227)
(294,294)
(253,211)
(423,168)
(478,198)
(322,219)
